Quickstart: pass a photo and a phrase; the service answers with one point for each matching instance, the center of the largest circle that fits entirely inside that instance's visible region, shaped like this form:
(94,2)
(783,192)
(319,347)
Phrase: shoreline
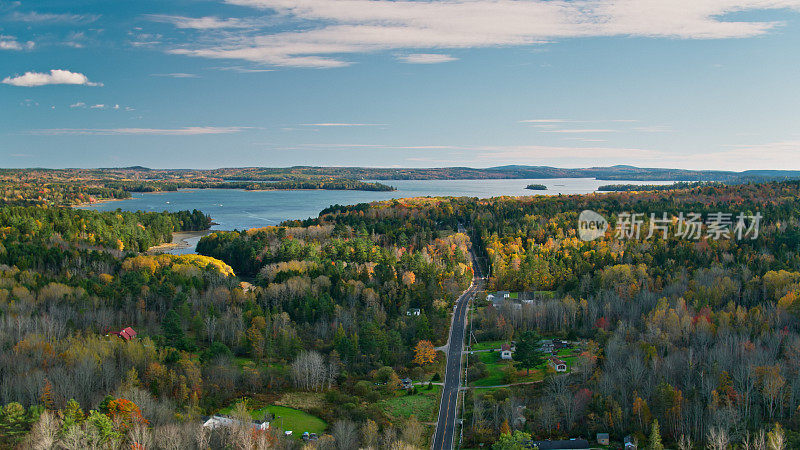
(180,241)
(97,202)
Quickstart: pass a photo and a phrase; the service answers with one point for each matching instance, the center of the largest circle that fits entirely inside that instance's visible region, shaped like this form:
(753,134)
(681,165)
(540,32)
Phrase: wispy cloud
(622,125)
(426,58)
(241,69)
(11,43)
(36,17)
(200,23)
(580,130)
(186,131)
(176,75)
(382,146)
(339,124)
(546,121)
(335,28)
(56,76)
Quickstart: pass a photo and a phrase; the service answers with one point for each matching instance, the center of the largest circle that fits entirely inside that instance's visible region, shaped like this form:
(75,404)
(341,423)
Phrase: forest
(695,339)
(319,310)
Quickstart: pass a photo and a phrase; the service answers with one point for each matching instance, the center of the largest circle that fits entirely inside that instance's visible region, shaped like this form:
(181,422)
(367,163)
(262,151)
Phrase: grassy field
(293,419)
(423,404)
(487,345)
(288,419)
(569,356)
(494,371)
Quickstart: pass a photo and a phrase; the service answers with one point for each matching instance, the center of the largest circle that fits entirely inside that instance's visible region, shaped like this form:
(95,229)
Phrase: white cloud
(426,58)
(98,106)
(78,105)
(175,75)
(337,124)
(546,121)
(35,17)
(186,131)
(580,131)
(11,43)
(335,27)
(200,23)
(56,76)
(241,69)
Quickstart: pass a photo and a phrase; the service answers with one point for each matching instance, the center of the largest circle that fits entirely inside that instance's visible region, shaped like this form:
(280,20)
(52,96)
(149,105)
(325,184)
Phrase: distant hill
(306,173)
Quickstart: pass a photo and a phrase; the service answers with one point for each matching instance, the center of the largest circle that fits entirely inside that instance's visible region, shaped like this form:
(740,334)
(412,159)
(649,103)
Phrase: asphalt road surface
(448,408)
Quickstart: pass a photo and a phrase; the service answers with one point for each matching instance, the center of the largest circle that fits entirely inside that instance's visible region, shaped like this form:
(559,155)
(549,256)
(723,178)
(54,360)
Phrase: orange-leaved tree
(424,353)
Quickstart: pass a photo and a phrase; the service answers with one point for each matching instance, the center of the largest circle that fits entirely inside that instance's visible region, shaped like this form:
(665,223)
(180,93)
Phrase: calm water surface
(239,209)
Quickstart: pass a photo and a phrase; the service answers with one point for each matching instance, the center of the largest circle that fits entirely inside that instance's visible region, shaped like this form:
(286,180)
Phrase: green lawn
(423,404)
(494,371)
(569,356)
(288,419)
(487,345)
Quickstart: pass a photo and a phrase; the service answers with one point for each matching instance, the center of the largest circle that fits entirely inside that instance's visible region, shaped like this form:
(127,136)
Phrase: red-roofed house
(128,333)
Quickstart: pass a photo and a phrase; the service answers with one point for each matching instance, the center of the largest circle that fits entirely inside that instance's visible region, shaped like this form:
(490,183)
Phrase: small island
(536,187)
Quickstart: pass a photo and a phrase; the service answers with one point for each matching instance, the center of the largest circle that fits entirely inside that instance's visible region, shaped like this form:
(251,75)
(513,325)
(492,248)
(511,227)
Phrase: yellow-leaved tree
(424,353)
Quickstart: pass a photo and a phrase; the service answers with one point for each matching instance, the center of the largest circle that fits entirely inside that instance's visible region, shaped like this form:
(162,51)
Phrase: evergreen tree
(527,353)
(173,330)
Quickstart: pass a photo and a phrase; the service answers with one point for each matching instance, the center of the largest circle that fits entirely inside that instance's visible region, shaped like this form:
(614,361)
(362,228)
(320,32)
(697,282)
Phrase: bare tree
(309,371)
(369,434)
(346,434)
(169,437)
(717,439)
(140,434)
(202,438)
(760,441)
(388,438)
(685,442)
(211,328)
(240,433)
(44,434)
(413,432)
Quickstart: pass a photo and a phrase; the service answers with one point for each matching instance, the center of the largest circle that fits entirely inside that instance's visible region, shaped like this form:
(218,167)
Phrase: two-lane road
(448,407)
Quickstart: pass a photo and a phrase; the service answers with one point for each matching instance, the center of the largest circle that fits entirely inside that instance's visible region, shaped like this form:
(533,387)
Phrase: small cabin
(558,365)
(126,334)
(505,351)
(414,312)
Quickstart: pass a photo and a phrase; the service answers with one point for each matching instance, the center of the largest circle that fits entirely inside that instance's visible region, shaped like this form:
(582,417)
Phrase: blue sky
(200,84)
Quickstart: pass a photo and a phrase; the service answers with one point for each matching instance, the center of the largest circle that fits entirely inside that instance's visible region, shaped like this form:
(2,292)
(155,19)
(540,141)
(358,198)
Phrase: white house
(414,312)
(505,351)
(558,365)
(224,422)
